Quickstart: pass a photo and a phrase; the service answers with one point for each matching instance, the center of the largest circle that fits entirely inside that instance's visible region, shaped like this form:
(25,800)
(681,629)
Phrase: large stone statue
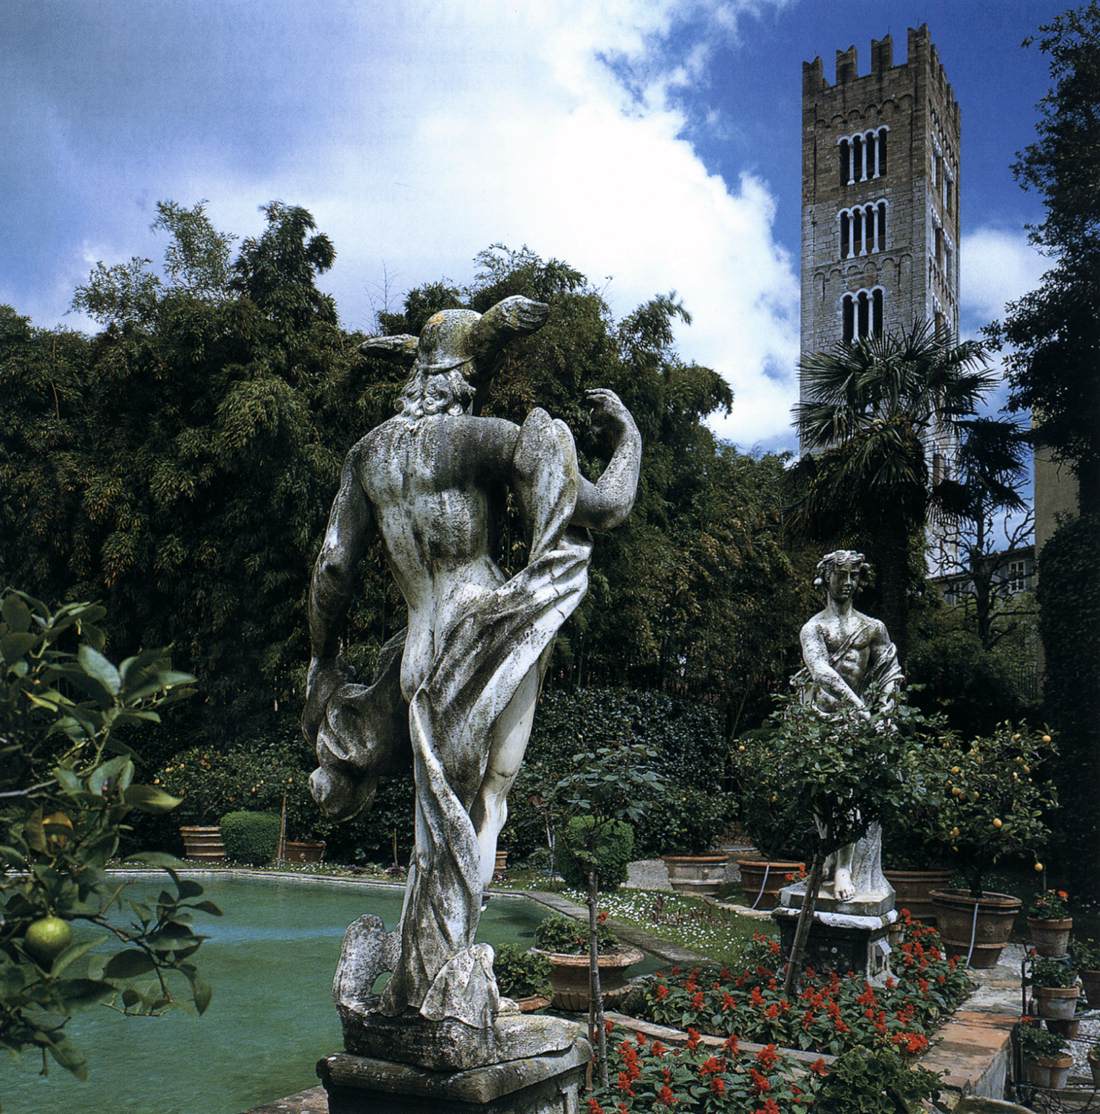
(455,691)
(849,659)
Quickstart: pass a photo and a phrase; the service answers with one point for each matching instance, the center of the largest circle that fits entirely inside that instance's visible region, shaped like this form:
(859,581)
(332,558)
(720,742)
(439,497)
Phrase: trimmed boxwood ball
(250,837)
(612,844)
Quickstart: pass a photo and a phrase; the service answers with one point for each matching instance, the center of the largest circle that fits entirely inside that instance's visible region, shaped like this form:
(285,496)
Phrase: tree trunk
(595,1009)
(1088,486)
(802,930)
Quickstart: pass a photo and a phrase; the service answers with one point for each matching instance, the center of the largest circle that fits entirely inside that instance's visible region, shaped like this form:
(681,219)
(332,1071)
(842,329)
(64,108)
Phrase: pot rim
(1056,991)
(775,864)
(306,842)
(1062,1060)
(708,857)
(902,872)
(624,957)
(990,899)
(1058,924)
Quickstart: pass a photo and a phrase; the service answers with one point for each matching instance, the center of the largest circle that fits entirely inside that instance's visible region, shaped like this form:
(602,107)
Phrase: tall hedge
(1069,621)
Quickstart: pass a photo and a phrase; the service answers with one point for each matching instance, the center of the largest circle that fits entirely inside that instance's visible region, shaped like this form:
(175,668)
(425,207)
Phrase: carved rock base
(542,1084)
(451,1046)
(841,942)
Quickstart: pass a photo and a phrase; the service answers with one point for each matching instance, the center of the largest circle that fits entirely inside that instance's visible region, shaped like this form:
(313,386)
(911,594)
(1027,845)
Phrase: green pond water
(270,960)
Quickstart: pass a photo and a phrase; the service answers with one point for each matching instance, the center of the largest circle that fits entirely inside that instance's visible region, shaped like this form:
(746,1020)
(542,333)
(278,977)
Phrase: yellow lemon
(955,770)
(955,833)
(1038,866)
(998,822)
(47,938)
(57,827)
(1047,739)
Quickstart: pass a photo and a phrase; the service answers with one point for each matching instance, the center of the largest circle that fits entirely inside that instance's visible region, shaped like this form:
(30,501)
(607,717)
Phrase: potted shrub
(564,943)
(1049,923)
(1085,957)
(1046,1063)
(913,865)
(523,976)
(1094,1063)
(771,819)
(693,819)
(250,837)
(987,801)
(1054,989)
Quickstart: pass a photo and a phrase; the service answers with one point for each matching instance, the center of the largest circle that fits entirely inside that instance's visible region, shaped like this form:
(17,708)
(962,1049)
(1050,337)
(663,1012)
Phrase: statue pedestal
(546,1084)
(844,935)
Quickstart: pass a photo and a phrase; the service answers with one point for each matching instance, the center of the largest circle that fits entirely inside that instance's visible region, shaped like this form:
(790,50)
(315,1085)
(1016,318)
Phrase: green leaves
(150,798)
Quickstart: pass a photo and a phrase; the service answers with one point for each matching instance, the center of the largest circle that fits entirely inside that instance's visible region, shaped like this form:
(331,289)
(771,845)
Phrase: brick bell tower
(880,195)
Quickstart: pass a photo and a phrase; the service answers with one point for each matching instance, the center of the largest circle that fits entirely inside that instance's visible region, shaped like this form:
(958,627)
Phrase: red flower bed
(831,1013)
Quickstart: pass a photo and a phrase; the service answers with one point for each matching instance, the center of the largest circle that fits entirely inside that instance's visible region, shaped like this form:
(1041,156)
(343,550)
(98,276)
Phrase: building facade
(880,195)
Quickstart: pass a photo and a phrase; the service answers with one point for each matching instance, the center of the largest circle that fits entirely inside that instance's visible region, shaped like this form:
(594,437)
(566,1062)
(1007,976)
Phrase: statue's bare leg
(843,887)
(506,749)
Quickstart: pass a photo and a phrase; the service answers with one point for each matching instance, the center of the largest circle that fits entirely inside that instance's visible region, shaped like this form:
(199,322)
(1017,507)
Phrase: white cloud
(996,266)
(497,122)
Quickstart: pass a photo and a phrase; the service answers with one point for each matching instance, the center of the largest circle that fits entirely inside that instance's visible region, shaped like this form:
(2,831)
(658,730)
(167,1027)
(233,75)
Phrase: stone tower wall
(916,103)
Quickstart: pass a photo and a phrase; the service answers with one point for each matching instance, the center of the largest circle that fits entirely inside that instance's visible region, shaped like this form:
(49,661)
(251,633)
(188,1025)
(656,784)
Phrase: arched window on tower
(882,133)
(877,311)
(848,312)
(881,228)
(863,314)
(872,167)
(845,149)
(857,231)
(857,158)
(845,232)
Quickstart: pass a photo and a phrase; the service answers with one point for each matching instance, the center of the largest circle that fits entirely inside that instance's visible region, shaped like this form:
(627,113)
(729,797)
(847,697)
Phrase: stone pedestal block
(546,1084)
(841,942)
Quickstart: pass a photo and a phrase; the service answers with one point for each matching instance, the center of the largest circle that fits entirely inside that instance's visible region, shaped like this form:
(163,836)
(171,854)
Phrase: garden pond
(270,960)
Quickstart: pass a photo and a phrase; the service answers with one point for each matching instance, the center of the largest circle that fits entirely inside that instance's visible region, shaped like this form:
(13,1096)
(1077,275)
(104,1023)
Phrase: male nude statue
(458,687)
(849,660)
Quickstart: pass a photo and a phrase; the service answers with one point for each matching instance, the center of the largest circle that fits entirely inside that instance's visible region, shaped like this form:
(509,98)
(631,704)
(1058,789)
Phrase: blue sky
(652,143)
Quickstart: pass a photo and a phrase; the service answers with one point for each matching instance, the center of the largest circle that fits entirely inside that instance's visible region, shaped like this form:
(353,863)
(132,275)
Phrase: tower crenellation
(880,178)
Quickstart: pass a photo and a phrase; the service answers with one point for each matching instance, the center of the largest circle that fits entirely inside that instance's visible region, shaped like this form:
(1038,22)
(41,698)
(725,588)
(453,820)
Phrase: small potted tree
(609,788)
(1046,1062)
(1049,923)
(564,945)
(988,803)
(1094,1063)
(1085,957)
(693,819)
(1054,988)
(771,818)
(914,865)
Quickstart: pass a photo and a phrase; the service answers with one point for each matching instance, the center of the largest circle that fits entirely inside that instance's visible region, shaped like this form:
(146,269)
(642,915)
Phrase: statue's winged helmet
(453,338)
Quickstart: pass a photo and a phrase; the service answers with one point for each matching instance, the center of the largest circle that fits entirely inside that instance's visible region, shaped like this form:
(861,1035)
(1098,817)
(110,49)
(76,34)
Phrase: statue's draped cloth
(478,666)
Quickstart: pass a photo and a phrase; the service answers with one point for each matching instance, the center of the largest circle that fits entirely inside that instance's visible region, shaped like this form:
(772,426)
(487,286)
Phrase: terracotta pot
(913,890)
(1094,1067)
(696,874)
(1051,938)
(202,842)
(995,916)
(762,879)
(501,864)
(1057,1002)
(569,976)
(533,1003)
(1048,1071)
(1091,979)
(304,851)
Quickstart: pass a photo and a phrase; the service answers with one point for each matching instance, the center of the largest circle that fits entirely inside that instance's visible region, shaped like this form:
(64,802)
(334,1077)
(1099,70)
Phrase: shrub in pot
(690,819)
(1054,988)
(771,818)
(987,799)
(1085,957)
(250,837)
(1094,1063)
(1049,923)
(564,943)
(1046,1063)
(523,976)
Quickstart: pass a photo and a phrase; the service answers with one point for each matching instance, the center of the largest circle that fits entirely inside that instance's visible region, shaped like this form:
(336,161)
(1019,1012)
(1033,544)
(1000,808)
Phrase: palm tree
(873,413)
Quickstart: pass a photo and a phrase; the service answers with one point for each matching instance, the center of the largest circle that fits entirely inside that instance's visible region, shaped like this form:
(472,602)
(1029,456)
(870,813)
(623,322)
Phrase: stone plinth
(547,1084)
(844,935)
